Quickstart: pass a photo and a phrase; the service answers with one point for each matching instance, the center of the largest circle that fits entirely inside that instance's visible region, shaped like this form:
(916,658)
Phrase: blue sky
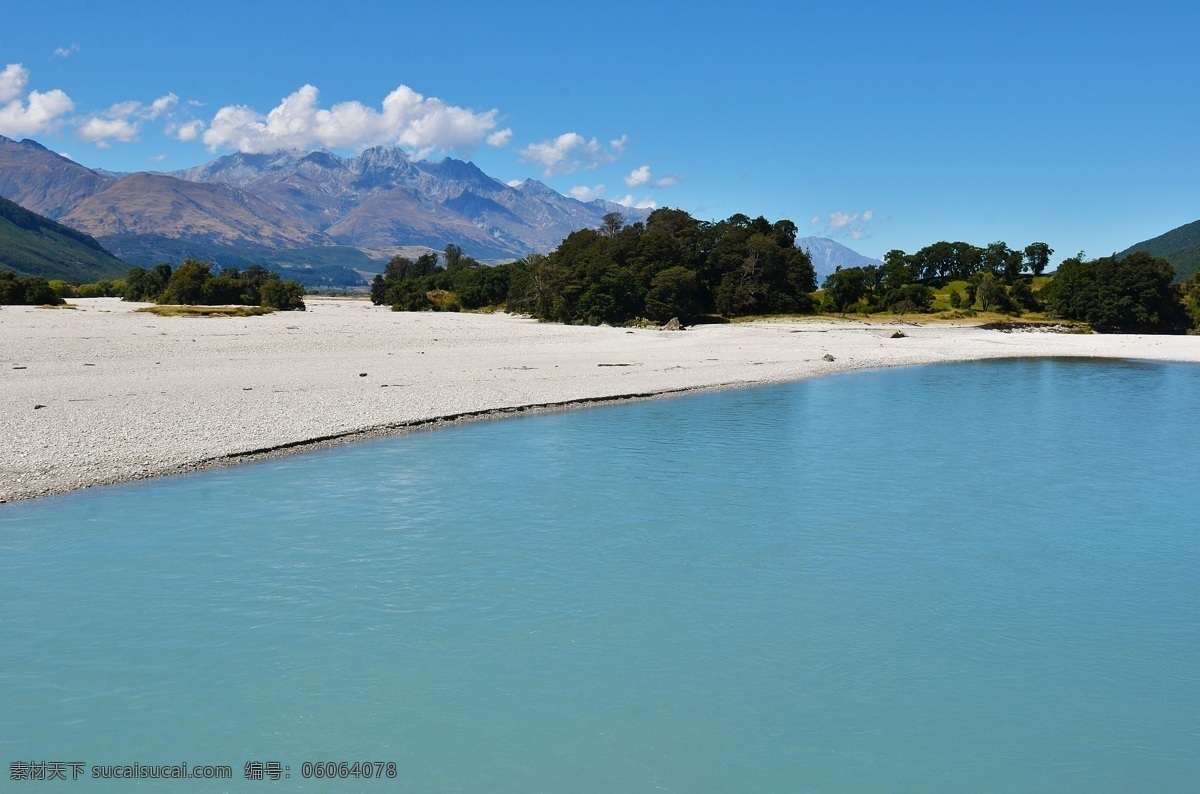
(883,125)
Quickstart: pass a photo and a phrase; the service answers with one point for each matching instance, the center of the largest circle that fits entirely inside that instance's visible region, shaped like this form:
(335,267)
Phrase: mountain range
(1180,247)
(828,255)
(319,217)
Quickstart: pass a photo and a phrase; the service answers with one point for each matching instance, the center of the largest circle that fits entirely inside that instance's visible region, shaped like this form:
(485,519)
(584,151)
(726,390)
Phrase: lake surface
(964,577)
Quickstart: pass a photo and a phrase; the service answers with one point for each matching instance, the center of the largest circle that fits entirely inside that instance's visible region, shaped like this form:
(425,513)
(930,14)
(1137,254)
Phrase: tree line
(26,290)
(192,283)
(671,265)
(994,279)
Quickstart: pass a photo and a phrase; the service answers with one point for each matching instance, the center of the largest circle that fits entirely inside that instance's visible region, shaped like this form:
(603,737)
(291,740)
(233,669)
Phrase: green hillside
(315,266)
(1180,247)
(32,245)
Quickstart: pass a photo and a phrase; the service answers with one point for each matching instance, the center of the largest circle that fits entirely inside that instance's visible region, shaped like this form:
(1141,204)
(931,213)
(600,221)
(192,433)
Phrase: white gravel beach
(100,394)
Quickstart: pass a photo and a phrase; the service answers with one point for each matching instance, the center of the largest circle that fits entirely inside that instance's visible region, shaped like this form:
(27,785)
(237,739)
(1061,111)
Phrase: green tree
(186,286)
(283,295)
(1037,257)
(454,258)
(612,223)
(146,285)
(845,287)
(378,289)
(673,293)
(1131,294)
(990,292)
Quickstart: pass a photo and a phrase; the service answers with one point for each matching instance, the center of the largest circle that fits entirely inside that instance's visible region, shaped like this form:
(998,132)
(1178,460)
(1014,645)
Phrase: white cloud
(123,121)
(186,131)
(42,111)
(406,119)
(164,104)
(120,122)
(158,158)
(515,182)
(840,220)
(99,130)
(63,52)
(12,82)
(585,193)
(638,176)
(646,203)
(641,176)
(851,224)
(500,137)
(66,155)
(36,113)
(570,152)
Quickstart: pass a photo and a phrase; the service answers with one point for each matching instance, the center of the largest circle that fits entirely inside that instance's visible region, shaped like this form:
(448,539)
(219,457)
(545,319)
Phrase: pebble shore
(97,393)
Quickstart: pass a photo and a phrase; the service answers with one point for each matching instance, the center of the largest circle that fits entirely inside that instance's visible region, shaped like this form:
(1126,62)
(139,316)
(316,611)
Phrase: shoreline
(99,394)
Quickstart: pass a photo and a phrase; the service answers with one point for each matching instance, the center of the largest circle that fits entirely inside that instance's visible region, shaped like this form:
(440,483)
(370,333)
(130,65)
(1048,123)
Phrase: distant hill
(160,205)
(34,245)
(321,218)
(828,255)
(45,182)
(1180,247)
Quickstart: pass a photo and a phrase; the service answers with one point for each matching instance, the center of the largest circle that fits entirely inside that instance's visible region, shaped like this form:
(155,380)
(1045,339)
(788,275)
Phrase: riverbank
(100,393)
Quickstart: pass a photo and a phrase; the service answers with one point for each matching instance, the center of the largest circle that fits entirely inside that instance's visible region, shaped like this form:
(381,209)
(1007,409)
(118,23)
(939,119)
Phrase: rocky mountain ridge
(316,213)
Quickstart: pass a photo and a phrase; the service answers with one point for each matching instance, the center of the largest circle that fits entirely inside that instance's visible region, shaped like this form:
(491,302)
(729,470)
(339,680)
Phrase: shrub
(443,300)
(283,295)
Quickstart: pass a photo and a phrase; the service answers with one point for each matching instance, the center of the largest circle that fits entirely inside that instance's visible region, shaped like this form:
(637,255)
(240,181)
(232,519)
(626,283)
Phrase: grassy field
(207,311)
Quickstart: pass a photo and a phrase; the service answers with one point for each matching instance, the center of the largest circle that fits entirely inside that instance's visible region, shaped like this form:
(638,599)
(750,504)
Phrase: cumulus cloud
(646,203)
(570,152)
(585,193)
(100,130)
(36,113)
(164,104)
(500,137)
(849,224)
(638,176)
(186,131)
(515,182)
(641,176)
(12,81)
(63,52)
(406,119)
(123,121)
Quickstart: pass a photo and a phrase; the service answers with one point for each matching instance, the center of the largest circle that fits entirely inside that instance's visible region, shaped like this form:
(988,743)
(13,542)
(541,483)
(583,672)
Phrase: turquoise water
(949,578)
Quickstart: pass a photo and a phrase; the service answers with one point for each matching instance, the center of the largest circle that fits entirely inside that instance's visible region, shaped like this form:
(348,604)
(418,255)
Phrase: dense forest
(672,265)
